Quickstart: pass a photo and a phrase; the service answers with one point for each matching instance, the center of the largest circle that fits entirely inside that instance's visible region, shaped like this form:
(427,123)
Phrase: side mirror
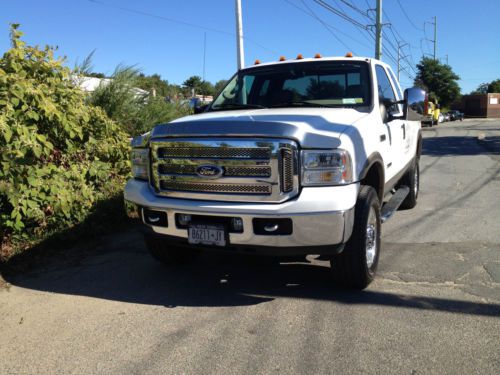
(415,104)
(384,114)
(200,109)
(387,110)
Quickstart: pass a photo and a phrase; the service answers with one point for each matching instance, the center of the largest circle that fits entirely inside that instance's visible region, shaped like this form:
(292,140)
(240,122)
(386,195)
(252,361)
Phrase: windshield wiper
(305,104)
(237,106)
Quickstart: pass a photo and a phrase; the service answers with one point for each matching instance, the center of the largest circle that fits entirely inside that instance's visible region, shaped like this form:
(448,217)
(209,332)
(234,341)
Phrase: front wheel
(355,267)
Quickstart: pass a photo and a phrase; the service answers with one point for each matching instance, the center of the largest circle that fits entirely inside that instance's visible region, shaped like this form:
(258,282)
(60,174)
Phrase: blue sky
(166,37)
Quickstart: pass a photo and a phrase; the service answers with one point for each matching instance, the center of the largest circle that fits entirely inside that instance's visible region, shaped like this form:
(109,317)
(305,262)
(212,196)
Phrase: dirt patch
(59,252)
(4,285)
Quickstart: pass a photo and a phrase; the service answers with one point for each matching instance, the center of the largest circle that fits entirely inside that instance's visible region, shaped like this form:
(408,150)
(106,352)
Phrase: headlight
(140,163)
(326,167)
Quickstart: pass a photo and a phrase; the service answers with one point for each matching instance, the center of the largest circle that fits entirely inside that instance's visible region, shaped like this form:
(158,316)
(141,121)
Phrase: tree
(438,79)
(193,83)
(206,88)
(481,89)
(154,83)
(494,86)
(198,86)
(219,86)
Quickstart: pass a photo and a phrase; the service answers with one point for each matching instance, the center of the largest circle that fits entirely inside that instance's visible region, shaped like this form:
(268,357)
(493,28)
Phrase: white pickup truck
(296,157)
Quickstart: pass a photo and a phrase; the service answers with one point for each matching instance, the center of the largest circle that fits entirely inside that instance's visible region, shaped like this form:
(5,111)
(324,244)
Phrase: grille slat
(215,152)
(230,171)
(286,174)
(215,187)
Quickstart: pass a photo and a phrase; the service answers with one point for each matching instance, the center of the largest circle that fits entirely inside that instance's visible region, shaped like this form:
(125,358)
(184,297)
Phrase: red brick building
(481,105)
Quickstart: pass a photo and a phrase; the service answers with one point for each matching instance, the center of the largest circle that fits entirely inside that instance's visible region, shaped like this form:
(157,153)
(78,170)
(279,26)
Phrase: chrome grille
(216,188)
(234,171)
(247,170)
(287,169)
(222,152)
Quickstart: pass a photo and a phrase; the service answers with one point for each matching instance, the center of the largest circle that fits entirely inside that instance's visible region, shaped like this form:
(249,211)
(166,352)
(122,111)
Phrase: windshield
(317,84)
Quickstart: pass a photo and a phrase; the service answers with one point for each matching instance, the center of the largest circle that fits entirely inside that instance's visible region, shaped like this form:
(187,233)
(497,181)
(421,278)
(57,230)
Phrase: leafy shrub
(157,111)
(136,112)
(59,156)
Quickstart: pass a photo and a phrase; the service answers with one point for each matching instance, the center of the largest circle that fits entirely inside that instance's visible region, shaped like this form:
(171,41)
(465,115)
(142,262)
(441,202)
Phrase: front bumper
(321,216)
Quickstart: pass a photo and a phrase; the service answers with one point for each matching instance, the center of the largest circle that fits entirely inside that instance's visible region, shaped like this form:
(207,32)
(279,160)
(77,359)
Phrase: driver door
(395,128)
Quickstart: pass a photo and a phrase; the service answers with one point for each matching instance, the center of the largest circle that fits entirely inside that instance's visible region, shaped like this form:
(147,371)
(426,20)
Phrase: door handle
(404,131)
(382,137)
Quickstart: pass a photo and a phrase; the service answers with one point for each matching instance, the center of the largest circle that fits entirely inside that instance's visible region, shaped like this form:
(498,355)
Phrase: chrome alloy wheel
(416,180)
(371,238)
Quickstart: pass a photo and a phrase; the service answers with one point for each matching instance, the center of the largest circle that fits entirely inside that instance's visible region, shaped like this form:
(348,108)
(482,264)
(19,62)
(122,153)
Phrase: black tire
(356,265)
(168,254)
(412,180)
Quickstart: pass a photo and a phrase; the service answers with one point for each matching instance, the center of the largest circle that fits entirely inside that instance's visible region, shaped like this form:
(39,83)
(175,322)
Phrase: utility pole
(204,53)
(400,45)
(435,35)
(239,36)
(378,31)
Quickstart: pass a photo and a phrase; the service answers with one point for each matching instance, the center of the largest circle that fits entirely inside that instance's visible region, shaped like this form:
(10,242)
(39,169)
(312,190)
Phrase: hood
(310,127)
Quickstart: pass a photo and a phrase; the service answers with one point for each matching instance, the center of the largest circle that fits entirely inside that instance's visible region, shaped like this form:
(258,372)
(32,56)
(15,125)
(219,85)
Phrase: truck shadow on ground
(130,275)
(460,145)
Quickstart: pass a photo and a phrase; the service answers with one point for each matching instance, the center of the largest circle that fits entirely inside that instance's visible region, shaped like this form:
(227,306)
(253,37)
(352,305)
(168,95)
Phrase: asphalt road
(434,308)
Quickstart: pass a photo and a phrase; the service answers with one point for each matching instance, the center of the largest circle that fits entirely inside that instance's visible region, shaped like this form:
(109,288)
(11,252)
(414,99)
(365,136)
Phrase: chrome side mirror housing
(415,104)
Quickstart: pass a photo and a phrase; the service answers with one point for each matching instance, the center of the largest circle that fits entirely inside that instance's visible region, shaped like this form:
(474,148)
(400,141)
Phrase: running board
(390,207)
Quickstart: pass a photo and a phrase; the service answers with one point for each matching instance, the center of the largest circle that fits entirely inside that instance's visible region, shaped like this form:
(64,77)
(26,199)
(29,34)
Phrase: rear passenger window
(385,90)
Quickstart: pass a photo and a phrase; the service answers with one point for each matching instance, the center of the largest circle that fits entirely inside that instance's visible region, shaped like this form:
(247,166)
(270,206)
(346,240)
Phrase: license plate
(206,235)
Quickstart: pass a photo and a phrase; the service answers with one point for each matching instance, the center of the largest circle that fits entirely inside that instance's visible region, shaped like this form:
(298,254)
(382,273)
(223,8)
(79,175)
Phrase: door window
(385,90)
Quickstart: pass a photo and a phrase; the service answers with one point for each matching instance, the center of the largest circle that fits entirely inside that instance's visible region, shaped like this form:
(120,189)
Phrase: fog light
(237,224)
(184,219)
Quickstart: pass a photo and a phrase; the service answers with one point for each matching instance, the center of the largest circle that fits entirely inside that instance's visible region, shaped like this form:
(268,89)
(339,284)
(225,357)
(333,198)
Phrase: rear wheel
(412,180)
(356,266)
(168,254)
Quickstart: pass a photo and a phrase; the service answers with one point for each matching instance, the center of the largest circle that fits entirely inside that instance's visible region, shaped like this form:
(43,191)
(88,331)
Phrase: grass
(108,216)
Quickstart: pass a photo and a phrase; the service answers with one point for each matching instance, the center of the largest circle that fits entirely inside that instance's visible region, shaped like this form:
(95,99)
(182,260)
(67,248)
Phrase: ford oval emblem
(209,171)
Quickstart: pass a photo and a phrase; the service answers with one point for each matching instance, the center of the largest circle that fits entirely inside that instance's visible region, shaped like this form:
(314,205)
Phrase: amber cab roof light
(257,62)
(317,56)
(348,54)
(299,56)
(282,58)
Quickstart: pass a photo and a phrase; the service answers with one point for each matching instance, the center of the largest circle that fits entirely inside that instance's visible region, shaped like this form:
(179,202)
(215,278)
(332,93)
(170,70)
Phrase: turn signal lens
(140,163)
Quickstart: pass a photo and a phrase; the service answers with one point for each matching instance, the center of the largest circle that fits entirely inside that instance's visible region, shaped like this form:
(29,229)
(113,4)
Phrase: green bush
(136,112)
(59,156)
(156,111)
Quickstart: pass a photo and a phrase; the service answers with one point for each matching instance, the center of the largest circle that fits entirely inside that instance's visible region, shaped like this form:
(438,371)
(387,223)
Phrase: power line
(180,22)
(315,16)
(355,8)
(407,17)
(340,14)
(327,25)
(360,27)
(367,32)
